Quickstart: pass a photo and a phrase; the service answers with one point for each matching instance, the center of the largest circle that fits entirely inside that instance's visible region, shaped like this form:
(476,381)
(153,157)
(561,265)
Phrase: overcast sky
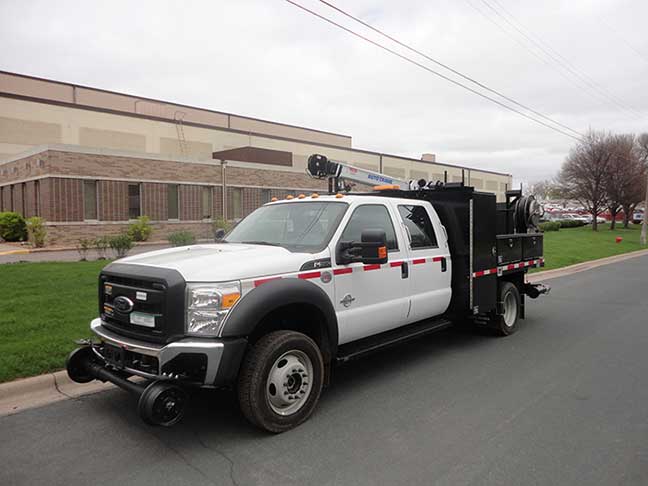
(268,59)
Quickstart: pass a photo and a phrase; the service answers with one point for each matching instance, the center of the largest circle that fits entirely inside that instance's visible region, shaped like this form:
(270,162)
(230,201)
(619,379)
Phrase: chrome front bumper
(214,350)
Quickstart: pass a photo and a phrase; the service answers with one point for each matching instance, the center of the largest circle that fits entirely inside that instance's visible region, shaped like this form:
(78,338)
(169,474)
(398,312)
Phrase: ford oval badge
(123,304)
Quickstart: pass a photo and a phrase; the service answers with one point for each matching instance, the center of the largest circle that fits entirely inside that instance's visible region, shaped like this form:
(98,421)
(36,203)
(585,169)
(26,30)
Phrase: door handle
(444,265)
(404,270)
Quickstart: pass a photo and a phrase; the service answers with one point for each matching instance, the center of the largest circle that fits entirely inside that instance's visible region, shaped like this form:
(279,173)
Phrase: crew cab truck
(303,283)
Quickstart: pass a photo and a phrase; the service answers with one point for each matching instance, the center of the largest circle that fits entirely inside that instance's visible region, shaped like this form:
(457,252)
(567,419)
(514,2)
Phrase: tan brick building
(89,161)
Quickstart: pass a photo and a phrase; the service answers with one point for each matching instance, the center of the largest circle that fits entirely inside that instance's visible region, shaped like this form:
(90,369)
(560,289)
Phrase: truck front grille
(142,302)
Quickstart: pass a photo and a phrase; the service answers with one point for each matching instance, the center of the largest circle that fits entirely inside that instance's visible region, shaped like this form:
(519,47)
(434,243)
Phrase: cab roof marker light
(301,196)
(314,195)
(290,197)
(339,196)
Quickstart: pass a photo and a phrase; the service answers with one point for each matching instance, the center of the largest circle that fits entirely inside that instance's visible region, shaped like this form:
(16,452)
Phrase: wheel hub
(289,382)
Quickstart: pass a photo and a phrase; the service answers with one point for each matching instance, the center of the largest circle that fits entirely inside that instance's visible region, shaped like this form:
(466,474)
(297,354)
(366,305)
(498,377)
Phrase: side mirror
(219,234)
(372,249)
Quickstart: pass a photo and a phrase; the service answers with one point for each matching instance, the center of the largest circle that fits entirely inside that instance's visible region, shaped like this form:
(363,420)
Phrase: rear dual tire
(506,323)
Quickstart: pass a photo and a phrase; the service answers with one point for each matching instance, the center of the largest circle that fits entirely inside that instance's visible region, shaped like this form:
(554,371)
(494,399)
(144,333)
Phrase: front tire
(280,381)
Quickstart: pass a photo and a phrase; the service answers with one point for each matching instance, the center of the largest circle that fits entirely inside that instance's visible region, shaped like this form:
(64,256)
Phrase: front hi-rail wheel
(77,364)
(162,403)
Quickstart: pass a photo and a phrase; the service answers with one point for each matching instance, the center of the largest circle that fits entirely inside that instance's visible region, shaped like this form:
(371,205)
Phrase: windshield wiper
(260,243)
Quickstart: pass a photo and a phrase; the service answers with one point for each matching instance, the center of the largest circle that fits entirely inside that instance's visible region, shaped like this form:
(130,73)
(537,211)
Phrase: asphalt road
(563,401)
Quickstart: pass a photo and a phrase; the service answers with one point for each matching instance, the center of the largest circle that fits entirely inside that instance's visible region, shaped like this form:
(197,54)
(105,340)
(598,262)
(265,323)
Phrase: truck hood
(223,262)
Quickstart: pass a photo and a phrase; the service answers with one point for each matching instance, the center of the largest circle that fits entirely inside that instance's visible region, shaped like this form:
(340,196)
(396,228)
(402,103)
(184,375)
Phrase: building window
(134,203)
(37,198)
(23,199)
(89,200)
(11,198)
(173,204)
(207,202)
(265,196)
(1,199)
(237,203)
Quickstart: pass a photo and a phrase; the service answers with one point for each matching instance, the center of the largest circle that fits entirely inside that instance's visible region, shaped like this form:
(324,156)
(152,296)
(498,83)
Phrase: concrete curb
(581,267)
(23,394)
(26,393)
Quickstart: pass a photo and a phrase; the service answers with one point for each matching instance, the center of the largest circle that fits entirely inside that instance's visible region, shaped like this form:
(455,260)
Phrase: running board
(367,345)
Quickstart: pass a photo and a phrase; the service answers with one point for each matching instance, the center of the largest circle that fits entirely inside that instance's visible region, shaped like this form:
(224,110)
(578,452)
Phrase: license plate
(141,319)
(113,355)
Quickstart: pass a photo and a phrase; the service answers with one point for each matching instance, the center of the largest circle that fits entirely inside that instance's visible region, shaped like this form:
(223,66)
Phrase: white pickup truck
(295,287)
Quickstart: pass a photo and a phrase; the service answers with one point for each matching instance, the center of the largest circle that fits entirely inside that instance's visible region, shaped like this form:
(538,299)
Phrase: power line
(616,32)
(439,63)
(422,66)
(557,57)
(525,46)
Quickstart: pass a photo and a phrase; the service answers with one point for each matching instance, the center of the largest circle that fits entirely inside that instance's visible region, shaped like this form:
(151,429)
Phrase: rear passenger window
(370,216)
(420,228)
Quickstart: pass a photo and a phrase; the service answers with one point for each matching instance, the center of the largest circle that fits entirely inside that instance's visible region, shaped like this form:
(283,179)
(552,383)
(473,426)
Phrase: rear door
(429,260)
(370,299)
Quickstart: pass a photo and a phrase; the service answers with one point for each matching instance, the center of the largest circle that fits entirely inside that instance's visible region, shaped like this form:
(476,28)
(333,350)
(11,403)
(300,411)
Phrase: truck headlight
(208,304)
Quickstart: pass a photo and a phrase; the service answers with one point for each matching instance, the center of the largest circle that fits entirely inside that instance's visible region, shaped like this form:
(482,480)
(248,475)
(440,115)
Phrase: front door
(370,299)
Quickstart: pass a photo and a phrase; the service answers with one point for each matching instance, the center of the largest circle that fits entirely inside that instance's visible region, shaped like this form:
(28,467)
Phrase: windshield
(297,226)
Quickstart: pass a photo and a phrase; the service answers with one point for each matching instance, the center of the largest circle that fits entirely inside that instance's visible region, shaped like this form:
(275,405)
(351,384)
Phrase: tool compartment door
(484,253)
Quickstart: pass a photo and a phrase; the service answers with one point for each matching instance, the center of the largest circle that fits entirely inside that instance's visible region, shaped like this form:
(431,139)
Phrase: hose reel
(527,214)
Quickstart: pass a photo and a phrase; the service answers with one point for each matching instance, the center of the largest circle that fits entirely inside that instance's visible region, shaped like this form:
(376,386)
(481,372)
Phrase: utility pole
(644,224)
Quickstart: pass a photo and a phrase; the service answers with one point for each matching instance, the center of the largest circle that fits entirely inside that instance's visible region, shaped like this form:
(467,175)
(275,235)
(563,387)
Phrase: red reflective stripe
(437,259)
(481,273)
(395,264)
(342,271)
(417,261)
(372,267)
(510,267)
(310,275)
(264,280)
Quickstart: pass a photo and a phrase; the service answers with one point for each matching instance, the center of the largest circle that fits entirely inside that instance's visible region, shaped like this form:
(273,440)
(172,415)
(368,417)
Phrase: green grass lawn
(576,245)
(44,307)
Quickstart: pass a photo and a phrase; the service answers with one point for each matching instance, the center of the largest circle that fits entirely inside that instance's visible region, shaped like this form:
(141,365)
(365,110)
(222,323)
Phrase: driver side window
(370,216)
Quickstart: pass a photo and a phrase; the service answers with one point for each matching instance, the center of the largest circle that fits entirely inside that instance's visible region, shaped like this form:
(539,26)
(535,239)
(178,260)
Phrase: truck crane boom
(320,167)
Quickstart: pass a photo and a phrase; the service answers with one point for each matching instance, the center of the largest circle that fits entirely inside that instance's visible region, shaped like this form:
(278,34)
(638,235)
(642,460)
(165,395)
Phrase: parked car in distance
(637,217)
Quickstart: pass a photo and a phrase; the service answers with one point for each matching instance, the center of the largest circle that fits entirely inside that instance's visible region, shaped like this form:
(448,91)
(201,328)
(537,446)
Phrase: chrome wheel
(289,382)
(510,309)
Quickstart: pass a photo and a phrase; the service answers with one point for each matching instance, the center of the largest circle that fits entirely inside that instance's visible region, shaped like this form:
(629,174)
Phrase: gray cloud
(266,58)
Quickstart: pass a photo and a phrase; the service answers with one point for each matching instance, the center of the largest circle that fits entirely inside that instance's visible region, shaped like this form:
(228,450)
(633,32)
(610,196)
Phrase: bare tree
(584,173)
(623,183)
(642,145)
(543,190)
